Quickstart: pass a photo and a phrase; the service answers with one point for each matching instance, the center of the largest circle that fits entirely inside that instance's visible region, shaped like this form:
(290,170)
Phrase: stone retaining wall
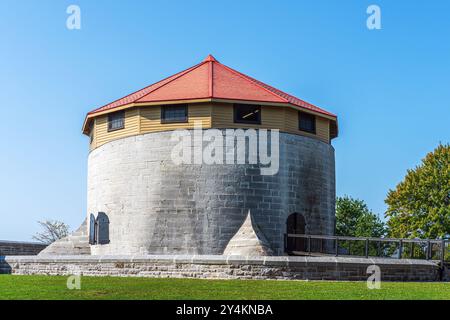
(223,267)
(14,248)
(446,273)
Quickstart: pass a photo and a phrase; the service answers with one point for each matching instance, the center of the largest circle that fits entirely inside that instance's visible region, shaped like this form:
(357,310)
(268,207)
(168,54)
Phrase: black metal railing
(301,244)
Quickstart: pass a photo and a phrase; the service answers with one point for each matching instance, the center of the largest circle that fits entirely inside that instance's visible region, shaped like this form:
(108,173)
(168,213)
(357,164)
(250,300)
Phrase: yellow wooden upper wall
(283,118)
(151,118)
(145,119)
(102,135)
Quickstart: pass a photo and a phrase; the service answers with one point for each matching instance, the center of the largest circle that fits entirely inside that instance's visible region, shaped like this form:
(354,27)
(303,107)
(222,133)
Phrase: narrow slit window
(247,113)
(174,113)
(307,122)
(116,121)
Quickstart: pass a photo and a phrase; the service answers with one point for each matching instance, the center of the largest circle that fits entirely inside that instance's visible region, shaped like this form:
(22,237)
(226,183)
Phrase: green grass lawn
(49,287)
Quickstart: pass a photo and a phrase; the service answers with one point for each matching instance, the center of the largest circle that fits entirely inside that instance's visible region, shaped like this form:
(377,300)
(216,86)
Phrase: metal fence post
(309,244)
(400,249)
(367,248)
(443,247)
(378,248)
(429,253)
(337,246)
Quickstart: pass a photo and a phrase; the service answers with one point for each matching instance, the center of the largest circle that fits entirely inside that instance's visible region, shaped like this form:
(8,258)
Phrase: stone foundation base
(223,267)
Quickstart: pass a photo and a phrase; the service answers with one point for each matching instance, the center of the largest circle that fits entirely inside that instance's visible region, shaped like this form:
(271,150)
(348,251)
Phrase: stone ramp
(76,243)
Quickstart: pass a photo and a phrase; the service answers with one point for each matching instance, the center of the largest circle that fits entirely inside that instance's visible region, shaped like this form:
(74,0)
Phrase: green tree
(419,207)
(354,219)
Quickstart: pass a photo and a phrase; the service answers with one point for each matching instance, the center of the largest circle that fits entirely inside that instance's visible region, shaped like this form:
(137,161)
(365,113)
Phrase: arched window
(296,224)
(98,229)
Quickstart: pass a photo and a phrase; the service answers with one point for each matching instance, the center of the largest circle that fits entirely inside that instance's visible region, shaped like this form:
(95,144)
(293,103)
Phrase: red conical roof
(210,79)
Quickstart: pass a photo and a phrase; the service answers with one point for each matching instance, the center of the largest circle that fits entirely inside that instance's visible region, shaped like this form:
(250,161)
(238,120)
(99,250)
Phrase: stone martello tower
(141,202)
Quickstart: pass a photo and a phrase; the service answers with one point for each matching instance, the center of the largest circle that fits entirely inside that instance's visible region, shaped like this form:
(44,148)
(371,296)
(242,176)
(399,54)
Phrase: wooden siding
(151,118)
(140,120)
(283,118)
(131,128)
(93,136)
(322,126)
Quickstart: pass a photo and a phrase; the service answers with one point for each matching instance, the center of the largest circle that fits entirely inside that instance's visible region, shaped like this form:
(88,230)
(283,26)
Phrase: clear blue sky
(390,88)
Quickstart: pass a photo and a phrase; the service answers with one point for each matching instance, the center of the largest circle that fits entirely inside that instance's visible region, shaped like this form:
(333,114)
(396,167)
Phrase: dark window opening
(306,122)
(98,229)
(174,113)
(247,113)
(116,121)
(296,224)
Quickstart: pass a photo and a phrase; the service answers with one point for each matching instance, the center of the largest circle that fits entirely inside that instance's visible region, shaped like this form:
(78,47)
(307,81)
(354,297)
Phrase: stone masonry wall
(222,267)
(157,207)
(13,248)
(446,272)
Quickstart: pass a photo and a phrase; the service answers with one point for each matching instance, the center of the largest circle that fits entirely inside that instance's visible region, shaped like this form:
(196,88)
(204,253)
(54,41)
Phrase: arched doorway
(296,224)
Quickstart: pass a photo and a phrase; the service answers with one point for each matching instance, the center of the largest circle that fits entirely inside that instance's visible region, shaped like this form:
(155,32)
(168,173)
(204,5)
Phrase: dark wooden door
(296,225)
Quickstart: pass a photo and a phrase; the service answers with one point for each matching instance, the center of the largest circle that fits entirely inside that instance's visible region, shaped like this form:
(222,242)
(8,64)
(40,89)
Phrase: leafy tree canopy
(354,219)
(419,207)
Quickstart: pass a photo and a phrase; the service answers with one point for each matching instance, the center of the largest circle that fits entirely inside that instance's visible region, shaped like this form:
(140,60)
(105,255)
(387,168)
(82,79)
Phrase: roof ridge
(262,84)
(210,58)
(252,82)
(178,74)
(175,77)
(211,79)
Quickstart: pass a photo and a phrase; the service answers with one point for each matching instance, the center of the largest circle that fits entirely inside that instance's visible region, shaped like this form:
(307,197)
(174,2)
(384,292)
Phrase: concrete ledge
(222,267)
